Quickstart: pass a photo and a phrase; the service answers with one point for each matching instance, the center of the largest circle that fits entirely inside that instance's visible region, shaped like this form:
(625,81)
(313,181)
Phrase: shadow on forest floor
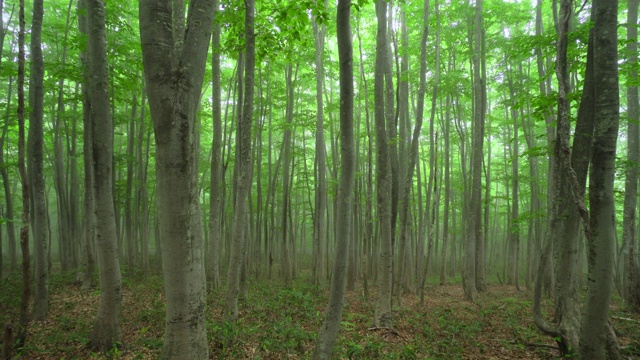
(278,322)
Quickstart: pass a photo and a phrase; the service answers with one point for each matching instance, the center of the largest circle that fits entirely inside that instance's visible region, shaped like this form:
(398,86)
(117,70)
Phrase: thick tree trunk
(333,314)
(601,239)
(174,84)
(106,331)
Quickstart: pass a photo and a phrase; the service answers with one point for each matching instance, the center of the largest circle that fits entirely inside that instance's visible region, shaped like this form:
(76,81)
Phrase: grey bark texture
(333,314)
(243,164)
(106,332)
(87,261)
(601,242)
(174,60)
(319,221)
(383,316)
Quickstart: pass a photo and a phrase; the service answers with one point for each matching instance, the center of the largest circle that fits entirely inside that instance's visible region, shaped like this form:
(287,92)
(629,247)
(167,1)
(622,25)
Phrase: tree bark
(36,171)
(383,316)
(286,177)
(106,332)
(631,282)
(333,314)
(601,239)
(26,194)
(89,221)
(215,196)
(244,162)
(319,226)
(174,61)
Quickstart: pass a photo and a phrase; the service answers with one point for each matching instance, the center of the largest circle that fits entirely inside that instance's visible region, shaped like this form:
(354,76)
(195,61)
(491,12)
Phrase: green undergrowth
(278,322)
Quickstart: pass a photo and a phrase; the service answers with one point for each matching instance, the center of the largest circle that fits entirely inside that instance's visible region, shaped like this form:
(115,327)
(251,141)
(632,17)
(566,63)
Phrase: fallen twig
(625,319)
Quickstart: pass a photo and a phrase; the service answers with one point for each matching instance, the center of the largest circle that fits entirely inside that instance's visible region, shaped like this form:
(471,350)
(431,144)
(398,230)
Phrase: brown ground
(278,323)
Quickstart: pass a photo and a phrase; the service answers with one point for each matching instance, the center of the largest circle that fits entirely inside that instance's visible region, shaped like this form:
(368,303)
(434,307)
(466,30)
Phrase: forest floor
(281,323)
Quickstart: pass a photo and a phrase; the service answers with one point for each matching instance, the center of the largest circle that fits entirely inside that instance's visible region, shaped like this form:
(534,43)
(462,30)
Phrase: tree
(383,315)
(89,219)
(36,166)
(473,271)
(243,158)
(26,194)
(631,270)
(333,314)
(174,61)
(106,331)
(215,206)
(319,226)
(595,335)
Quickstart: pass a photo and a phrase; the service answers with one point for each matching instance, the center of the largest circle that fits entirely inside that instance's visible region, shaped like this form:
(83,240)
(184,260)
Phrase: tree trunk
(286,172)
(244,162)
(383,316)
(36,171)
(174,84)
(89,220)
(631,287)
(24,230)
(601,239)
(447,192)
(106,331)
(215,196)
(319,226)
(333,314)
(11,232)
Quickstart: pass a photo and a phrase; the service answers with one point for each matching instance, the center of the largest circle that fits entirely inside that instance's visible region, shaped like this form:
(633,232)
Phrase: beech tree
(333,314)
(106,332)
(383,315)
(243,183)
(35,163)
(174,60)
(597,340)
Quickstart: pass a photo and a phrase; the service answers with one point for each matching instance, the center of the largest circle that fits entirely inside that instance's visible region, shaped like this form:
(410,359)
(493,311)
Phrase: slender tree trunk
(478,147)
(106,332)
(129,220)
(383,316)
(26,194)
(243,184)
(447,192)
(89,220)
(319,226)
(286,170)
(631,288)
(473,274)
(11,232)
(215,196)
(65,237)
(331,325)
(36,171)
